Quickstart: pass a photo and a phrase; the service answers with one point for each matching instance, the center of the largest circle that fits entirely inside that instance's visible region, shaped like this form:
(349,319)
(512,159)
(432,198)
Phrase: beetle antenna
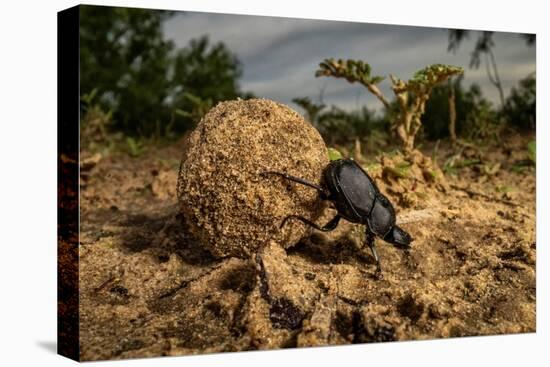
(323,193)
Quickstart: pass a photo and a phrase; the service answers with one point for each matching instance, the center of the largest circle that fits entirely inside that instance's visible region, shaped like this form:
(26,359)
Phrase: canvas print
(231,183)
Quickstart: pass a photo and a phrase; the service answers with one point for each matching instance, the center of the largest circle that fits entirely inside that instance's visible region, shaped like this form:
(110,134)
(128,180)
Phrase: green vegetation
(138,88)
(151,88)
(135,148)
(532,151)
(455,163)
(425,107)
(411,95)
(520,107)
(313,110)
(334,154)
(484,48)
(480,120)
(95,123)
(400,170)
(474,114)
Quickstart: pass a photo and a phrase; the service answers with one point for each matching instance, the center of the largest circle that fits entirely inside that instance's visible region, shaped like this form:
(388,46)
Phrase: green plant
(340,127)
(484,46)
(334,154)
(142,77)
(353,71)
(411,95)
(94,123)
(199,107)
(344,127)
(504,189)
(526,164)
(481,120)
(532,151)
(518,167)
(135,147)
(454,163)
(399,170)
(437,121)
(520,107)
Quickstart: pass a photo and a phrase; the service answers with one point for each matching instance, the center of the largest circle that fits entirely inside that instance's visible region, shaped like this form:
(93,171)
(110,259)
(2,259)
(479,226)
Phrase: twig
(186,282)
(418,215)
(105,284)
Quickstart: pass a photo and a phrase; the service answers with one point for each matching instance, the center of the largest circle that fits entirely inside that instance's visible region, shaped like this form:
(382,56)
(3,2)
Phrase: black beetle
(358,200)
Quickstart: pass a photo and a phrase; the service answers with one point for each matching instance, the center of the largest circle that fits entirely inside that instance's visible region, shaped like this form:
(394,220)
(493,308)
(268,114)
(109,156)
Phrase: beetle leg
(322,192)
(372,246)
(331,225)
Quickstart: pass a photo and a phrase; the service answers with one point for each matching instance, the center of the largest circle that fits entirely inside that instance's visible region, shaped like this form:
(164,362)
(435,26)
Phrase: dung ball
(225,201)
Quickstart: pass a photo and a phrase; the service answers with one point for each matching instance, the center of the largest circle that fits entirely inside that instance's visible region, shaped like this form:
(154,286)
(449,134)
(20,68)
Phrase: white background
(28,182)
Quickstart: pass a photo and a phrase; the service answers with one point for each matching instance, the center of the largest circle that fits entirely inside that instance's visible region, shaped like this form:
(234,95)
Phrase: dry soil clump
(225,201)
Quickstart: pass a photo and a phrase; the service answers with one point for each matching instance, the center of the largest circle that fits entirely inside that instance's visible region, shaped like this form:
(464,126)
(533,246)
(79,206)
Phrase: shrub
(411,95)
(520,107)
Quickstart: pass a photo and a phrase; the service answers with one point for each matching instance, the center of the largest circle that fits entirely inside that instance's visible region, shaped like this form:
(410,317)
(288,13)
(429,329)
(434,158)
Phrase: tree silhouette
(484,47)
(140,76)
(521,105)
(313,110)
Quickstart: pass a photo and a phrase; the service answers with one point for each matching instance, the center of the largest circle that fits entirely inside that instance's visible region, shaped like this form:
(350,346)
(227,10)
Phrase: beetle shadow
(326,250)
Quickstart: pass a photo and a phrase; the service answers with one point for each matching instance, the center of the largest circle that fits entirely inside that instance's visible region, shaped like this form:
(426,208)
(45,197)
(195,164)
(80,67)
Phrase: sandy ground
(149,289)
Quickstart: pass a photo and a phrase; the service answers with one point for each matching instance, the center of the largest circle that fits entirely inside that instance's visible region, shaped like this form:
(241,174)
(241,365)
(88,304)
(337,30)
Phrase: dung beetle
(358,200)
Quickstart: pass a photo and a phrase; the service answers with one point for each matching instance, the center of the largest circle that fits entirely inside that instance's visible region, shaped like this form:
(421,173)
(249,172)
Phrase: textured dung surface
(148,288)
(225,202)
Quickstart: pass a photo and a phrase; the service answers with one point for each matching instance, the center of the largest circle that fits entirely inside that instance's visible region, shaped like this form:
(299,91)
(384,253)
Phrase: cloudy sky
(280,55)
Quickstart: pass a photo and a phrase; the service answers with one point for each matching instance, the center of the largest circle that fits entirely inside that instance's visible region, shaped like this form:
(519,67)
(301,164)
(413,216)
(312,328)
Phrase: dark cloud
(280,55)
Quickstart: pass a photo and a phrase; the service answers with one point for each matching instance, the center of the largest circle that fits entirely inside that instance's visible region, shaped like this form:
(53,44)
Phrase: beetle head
(398,237)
